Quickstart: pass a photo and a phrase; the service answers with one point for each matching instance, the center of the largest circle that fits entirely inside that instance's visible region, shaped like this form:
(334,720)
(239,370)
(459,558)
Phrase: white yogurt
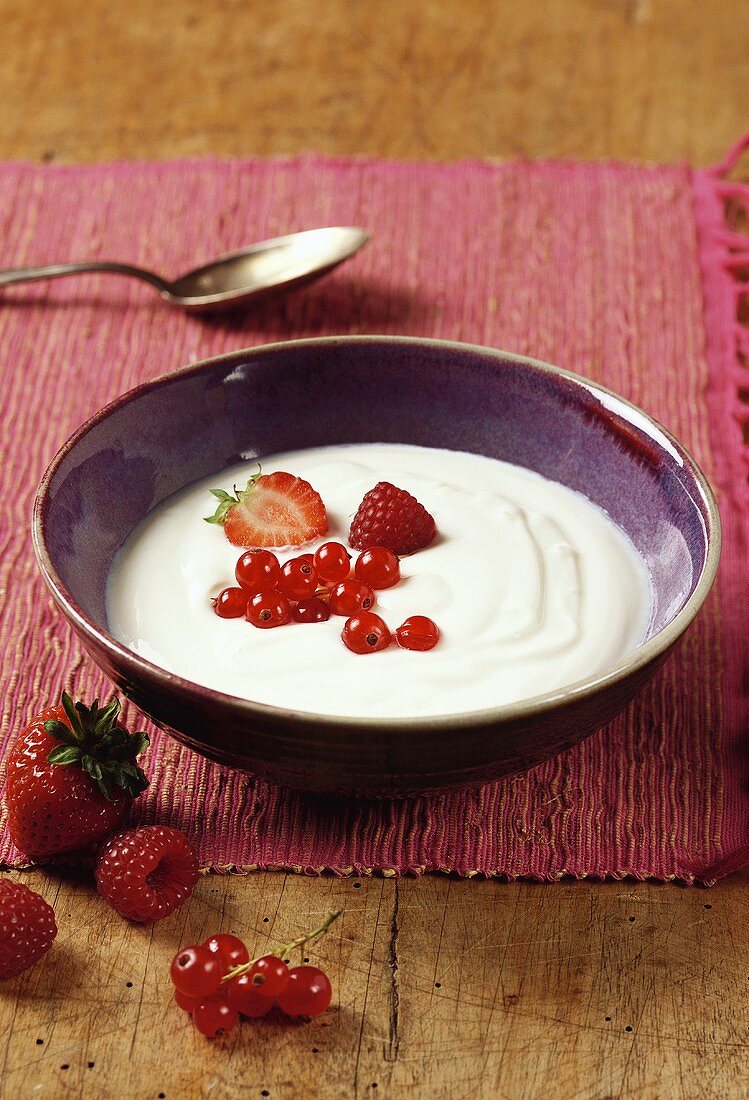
(532,586)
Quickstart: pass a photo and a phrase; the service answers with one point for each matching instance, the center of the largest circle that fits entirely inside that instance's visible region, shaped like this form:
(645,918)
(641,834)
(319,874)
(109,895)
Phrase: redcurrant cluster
(312,587)
(217,982)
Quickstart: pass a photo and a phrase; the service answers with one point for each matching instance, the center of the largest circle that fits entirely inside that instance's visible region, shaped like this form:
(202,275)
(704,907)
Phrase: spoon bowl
(262,269)
(258,271)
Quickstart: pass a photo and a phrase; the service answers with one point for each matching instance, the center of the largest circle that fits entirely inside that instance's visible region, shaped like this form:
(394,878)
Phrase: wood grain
(646,79)
(444,988)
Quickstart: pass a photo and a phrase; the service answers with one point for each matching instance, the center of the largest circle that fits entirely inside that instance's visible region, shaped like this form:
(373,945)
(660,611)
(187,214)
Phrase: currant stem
(285,949)
(301,940)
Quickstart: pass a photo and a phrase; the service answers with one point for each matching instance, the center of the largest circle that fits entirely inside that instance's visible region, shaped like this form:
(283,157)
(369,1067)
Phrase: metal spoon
(269,267)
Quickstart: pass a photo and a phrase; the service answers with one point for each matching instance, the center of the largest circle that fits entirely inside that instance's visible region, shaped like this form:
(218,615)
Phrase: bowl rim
(139,667)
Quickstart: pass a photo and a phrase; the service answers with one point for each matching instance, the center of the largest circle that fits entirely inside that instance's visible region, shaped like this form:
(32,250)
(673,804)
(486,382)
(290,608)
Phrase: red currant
(258,570)
(308,992)
(348,597)
(214,1016)
(378,567)
(298,578)
(229,949)
(268,609)
(269,975)
(365,633)
(418,632)
(246,998)
(332,562)
(186,1003)
(196,972)
(231,603)
(310,611)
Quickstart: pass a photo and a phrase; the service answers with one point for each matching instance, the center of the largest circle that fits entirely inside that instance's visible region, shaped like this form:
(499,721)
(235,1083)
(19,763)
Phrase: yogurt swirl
(533,588)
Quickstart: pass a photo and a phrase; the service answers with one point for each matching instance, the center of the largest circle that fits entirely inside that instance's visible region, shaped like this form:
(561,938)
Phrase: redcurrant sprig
(217,982)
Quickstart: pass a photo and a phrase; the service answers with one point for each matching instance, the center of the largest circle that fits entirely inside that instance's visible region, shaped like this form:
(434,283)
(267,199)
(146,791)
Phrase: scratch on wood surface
(366,998)
(393,1044)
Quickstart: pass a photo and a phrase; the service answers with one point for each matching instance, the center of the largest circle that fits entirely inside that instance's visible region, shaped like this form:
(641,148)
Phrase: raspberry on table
(391,517)
(27,927)
(147,872)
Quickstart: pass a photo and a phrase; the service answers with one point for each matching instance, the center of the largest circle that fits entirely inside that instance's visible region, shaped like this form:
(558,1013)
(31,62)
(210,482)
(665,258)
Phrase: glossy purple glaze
(164,435)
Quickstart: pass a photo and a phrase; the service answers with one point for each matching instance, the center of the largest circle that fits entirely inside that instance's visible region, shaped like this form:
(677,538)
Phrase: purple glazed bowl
(170,432)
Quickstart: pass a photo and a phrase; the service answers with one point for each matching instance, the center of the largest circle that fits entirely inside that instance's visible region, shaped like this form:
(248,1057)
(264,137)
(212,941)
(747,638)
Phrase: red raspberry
(146,873)
(391,517)
(27,927)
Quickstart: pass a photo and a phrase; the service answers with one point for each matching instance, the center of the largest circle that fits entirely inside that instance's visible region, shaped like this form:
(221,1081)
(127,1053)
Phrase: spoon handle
(55,271)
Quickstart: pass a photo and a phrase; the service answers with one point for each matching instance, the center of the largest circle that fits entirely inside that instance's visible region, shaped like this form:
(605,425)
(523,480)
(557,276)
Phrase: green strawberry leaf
(73,717)
(93,767)
(109,716)
(138,743)
(64,754)
(104,789)
(120,745)
(103,750)
(227,501)
(61,732)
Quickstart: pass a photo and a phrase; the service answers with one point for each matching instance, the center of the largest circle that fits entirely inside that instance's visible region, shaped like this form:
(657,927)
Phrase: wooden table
(444,988)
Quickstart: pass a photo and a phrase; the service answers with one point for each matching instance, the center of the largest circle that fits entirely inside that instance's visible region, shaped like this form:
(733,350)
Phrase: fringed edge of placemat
(358,871)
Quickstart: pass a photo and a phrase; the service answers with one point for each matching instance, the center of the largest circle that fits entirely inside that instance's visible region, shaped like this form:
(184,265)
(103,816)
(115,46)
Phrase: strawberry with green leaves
(71,777)
(277,509)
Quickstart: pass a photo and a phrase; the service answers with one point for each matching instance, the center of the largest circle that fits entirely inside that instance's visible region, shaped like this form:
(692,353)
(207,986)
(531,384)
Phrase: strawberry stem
(226,501)
(92,740)
(285,950)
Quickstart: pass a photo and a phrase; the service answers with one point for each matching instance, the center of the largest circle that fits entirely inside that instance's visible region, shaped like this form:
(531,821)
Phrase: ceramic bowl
(167,433)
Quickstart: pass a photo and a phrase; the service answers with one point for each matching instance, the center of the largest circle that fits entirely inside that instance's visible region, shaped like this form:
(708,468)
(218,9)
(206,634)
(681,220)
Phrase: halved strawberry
(274,510)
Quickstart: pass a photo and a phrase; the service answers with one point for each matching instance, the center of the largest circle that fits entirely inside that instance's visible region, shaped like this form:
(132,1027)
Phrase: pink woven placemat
(627,274)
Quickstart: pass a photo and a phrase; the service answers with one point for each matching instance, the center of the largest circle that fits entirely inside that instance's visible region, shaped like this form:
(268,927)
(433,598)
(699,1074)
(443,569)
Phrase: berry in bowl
(440,564)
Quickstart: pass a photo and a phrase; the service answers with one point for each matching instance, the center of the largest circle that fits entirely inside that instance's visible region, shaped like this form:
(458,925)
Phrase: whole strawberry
(391,517)
(27,927)
(71,777)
